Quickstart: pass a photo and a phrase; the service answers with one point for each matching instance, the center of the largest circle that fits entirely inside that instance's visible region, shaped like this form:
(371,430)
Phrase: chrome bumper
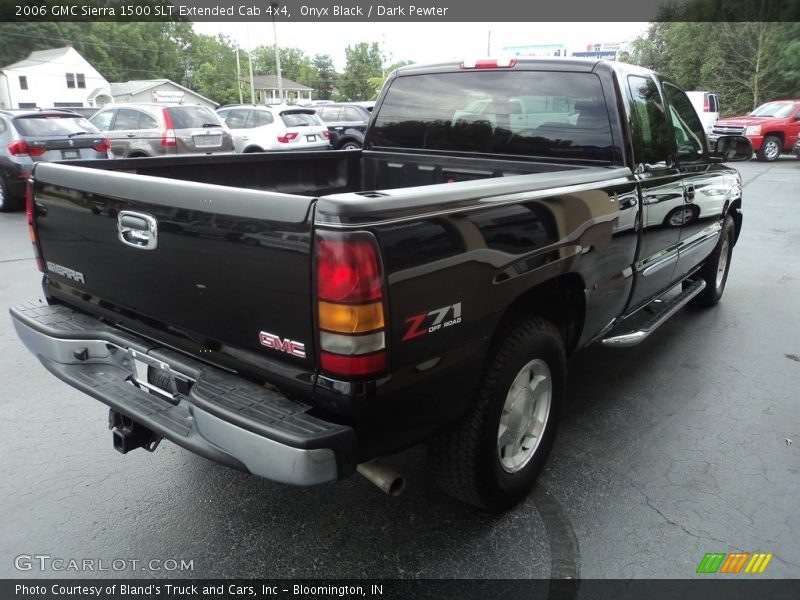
(208,411)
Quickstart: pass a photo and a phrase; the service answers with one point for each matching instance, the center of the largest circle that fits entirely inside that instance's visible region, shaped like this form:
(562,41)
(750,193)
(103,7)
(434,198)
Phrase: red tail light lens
(21,148)
(705,105)
(489,63)
(286,138)
(168,136)
(348,271)
(326,134)
(103,146)
(350,307)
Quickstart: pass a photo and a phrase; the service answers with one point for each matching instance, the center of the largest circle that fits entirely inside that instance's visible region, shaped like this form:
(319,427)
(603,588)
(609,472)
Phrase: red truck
(773,128)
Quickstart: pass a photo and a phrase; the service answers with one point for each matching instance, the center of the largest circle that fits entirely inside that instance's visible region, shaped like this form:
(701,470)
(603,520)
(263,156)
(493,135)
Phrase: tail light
(21,148)
(103,146)
(326,134)
(168,136)
(287,137)
(33,233)
(350,304)
(705,104)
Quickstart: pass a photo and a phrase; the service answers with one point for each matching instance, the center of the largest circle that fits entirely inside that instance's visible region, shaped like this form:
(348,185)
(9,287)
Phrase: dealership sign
(164,96)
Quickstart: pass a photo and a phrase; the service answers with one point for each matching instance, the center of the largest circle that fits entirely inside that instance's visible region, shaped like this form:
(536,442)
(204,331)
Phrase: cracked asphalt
(687,444)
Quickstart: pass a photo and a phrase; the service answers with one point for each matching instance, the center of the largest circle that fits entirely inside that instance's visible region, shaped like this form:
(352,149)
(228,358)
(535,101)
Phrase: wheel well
(561,300)
(137,155)
(250,149)
(777,134)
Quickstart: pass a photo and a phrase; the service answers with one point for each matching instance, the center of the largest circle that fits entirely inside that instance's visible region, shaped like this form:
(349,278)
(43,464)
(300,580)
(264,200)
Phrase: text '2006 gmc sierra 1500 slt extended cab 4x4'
(300,315)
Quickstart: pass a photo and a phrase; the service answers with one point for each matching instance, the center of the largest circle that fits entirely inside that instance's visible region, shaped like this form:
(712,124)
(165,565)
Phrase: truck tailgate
(227,268)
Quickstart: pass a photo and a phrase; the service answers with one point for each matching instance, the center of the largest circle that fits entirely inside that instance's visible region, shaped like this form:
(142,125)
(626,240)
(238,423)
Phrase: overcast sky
(423,42)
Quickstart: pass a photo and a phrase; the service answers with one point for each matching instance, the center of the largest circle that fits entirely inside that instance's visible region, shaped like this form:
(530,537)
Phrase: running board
(666,310)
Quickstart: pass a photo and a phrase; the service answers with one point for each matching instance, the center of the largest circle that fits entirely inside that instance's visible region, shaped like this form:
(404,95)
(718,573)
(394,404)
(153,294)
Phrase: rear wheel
(491,457)
(717,266)
(350,145)
(7,203)
(770,149)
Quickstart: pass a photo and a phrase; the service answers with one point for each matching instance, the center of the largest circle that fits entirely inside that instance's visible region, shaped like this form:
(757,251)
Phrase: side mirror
(730,148)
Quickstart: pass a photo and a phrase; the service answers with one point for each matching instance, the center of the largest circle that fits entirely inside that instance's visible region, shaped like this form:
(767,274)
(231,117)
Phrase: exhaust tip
(389,481)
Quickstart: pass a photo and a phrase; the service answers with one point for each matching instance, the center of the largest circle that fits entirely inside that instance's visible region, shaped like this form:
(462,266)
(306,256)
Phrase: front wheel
(491,457)
(717,266)
(770,149)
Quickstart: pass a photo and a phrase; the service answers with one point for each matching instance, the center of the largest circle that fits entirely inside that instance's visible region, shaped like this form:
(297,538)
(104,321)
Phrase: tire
(350,145)
(252,149)
(7,203)
(717,266)
(681,215)
(770,149)
(471,462)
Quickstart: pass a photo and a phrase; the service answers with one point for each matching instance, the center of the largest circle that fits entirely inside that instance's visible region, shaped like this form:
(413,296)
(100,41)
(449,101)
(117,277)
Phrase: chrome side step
(666,310)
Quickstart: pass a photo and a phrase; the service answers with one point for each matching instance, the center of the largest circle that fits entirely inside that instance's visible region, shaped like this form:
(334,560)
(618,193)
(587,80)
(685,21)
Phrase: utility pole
(239,76)
(250,61)
(274,6)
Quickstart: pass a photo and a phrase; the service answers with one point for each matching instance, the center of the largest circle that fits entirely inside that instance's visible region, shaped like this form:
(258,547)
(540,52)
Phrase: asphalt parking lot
(687,444)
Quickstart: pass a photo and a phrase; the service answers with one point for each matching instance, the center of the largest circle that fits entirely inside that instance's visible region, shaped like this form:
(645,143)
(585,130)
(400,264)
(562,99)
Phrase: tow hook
(128,435)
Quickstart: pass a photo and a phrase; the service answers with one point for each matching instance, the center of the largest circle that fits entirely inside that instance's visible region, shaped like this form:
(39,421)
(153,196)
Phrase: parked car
(259,128)
(142,130)
(347,124)
(707,106)
(368,104)
(31,136)
(772,128)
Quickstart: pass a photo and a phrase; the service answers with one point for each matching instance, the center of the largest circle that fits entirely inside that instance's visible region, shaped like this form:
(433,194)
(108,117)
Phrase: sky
(422,42)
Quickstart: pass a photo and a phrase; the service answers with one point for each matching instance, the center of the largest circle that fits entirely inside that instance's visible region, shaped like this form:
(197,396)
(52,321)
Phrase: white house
(59,77)
(157,90)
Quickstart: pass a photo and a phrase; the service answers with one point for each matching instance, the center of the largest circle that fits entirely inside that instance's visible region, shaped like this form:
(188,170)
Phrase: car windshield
(41,125)
(779,110)
(498,112)
(298,119)
(189,117)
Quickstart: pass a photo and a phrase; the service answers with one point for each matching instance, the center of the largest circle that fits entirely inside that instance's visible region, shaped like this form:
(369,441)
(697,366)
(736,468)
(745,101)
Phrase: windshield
(779,110)
(530,113)
(189,117)
(36,125)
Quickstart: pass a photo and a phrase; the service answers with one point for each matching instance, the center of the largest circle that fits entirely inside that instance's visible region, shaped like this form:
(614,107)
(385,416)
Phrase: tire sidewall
(728,230)
(508,488)
(5,201)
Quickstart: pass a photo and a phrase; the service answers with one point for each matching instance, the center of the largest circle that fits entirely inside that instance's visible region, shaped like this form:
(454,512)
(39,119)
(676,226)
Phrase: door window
(103,120)
(353,114)
(653,145)
(686,125)
(147,121)
(126,119)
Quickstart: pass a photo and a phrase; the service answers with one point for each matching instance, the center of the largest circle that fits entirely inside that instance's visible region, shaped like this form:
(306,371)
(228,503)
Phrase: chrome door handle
(688,193)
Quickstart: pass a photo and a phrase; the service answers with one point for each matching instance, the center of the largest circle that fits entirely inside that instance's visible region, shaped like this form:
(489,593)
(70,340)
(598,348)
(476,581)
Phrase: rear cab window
(519,113)
(44,124)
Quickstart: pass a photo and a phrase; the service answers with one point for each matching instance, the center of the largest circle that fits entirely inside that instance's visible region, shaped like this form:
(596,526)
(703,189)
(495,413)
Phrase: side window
(652,140)
(103,120)
(126,119)
(331,114)
(235,118)
(147,121)
(262,117)
(2,126)
(353,114)
(686,125)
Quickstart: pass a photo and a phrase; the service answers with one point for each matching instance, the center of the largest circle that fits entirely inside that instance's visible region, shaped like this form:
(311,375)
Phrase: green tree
(325,77)
(364,61)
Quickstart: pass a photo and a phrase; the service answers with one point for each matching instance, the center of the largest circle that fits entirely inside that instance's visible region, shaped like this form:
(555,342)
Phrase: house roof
(130,88)
(38,57)
(270,82)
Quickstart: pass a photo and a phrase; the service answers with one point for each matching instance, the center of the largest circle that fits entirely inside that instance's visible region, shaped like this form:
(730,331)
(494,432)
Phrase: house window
(81,78)
(70,80)
(23,82)
(27,104)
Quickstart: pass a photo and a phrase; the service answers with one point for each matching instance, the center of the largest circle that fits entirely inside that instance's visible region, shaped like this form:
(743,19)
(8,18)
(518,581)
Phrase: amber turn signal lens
(350,318)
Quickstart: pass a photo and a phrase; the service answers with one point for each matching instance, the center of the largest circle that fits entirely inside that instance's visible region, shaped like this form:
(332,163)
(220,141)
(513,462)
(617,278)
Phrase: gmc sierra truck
(299,316)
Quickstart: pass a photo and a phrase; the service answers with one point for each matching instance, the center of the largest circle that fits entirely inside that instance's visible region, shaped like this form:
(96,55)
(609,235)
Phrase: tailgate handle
(137,230)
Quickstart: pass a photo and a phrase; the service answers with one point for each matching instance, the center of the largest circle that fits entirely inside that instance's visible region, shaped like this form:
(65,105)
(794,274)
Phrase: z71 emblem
(270,340)
(433,321)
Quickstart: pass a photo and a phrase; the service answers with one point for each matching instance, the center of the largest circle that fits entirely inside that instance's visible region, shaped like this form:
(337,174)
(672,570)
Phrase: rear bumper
(212,413)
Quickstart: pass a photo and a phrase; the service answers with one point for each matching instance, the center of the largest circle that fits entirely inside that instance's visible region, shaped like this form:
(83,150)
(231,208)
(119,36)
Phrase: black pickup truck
(301,315)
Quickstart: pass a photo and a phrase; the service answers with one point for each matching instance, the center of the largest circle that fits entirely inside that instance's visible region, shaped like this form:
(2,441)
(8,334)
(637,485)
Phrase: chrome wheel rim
(722,265)
(524,417)
(2,194)
(681,217)
(771,150)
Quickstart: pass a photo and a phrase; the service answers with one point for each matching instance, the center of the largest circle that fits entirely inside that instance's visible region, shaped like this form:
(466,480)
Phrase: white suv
(258,128)
(707,106)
